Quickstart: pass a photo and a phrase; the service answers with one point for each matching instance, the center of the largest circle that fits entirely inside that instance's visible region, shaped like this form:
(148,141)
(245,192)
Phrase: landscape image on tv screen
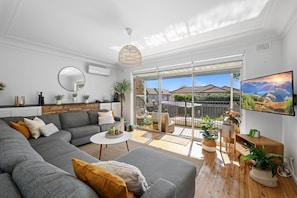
(272,94)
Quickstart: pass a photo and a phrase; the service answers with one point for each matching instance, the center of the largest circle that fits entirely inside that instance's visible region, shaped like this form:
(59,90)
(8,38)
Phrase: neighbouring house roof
(205,89)
(154,91)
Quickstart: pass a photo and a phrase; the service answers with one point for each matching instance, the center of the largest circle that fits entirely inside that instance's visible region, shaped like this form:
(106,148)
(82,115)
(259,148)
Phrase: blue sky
(175,83)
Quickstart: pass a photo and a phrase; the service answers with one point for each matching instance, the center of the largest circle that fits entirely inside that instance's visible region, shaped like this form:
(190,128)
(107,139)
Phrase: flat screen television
(272,94)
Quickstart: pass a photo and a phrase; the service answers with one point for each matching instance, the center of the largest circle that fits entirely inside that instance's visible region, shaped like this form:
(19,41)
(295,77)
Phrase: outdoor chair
(166,124)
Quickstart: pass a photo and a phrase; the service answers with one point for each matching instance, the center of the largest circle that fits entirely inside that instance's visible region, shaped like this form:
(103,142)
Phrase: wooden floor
(222,175)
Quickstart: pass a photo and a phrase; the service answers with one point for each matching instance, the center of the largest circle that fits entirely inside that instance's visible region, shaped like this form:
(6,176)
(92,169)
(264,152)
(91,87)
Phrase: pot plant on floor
(264,166)
(121,88)
(209,134)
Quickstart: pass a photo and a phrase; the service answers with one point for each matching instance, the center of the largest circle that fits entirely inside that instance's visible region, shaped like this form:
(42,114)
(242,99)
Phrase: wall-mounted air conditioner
(98,70)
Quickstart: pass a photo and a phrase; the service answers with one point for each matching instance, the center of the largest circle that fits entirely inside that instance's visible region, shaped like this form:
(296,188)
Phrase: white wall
(27,72)
(290,123)
(259,63)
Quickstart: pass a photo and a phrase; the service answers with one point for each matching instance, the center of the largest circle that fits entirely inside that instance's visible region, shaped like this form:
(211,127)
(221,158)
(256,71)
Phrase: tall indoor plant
(122,87)
(264,166)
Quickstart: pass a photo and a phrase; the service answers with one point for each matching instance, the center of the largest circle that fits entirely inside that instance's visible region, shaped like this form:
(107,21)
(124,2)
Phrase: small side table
(100,138)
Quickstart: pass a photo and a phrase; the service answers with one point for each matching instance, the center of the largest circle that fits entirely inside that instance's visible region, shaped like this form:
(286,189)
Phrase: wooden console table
(245,142)
(51,109)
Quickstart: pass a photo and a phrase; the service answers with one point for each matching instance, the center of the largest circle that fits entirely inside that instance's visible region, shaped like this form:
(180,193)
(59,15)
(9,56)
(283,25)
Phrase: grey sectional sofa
(43,168)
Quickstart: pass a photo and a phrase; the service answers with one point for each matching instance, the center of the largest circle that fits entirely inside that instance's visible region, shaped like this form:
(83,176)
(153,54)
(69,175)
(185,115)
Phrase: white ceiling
(95,29)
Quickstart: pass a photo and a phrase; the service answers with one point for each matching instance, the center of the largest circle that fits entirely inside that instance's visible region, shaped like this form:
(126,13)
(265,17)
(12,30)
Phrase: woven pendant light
(130,55)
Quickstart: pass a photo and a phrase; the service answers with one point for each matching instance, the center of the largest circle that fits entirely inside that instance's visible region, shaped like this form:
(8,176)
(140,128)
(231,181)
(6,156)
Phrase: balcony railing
(181,112)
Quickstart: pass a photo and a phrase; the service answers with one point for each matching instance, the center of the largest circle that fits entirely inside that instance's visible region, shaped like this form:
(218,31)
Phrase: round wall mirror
(71,79)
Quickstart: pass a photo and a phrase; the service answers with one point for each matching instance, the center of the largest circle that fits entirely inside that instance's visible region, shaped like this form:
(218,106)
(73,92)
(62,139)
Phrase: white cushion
(34,126)
(133,177)
(105,118)
(48,129)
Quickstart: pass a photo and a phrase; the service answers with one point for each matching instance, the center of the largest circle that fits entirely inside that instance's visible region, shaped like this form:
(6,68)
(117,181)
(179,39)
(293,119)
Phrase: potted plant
(59,98)
(264,166)
(254,133)
(86,98)
(131,127)
(121,88)
(209,134)
(74,95)
(147,121)
(2,86)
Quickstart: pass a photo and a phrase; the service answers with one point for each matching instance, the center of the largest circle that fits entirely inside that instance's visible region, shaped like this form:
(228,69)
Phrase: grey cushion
(165,167)
(61,135)
(7,187)
(41,179)
(93,116)
(52,118)
(14,148)
(60,154)
(74,119)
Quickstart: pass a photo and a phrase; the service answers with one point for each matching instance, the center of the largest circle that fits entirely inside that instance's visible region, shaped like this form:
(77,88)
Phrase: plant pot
(74,99)
(263,177)
(209,145)
(58,102)
(86,101)
(148,126)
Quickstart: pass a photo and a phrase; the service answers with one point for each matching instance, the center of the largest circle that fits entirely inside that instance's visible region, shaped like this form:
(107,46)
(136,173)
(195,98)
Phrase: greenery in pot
(131,127)
(59,97)
(121,88)
(263,160)
(86,97)
(253,132)
(74,94)
(208,133)
(147,120)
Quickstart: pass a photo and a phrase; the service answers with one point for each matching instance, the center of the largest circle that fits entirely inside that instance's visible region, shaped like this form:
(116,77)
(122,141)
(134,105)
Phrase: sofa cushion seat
(166,167)
(61,135)
(82,131)
(15,148)
(60,154)
(7,187)
(41,179)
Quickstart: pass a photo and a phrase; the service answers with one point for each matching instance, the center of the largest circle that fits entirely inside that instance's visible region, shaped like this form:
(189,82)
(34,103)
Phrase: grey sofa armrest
(161,188)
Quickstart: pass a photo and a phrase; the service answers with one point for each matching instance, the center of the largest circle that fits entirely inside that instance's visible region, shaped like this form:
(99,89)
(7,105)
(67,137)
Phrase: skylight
(219,16)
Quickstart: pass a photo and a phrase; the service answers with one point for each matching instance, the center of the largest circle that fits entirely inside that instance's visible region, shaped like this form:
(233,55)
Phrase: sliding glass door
(173,100)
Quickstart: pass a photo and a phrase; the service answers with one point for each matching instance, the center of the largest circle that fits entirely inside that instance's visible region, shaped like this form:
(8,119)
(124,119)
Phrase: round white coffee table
(100,138)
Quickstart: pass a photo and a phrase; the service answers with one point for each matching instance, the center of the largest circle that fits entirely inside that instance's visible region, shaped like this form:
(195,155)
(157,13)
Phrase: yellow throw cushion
(106,184)
(20,126)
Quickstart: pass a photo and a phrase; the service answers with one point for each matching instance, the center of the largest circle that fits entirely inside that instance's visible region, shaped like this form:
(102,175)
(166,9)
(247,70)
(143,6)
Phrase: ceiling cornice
(26,45)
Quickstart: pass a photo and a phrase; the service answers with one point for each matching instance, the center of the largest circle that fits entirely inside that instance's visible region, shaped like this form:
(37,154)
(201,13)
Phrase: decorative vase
(263,177)
(209,145)
(58,102)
